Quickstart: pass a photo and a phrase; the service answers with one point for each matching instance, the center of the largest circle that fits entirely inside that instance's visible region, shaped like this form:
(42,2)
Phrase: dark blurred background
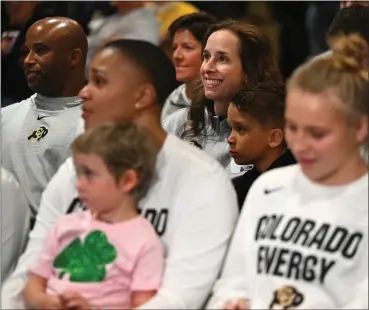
(296,28)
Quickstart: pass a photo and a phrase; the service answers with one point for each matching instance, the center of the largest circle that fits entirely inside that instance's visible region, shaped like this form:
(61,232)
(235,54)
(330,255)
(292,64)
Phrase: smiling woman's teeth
(212,82)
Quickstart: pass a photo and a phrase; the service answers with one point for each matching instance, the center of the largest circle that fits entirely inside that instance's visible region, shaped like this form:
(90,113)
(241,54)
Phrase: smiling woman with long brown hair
(234,54)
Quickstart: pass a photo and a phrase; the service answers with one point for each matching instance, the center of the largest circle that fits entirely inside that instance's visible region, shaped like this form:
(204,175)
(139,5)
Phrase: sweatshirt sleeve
(54,204)
(15,215)
(204,222)
(43,265)
(232,283)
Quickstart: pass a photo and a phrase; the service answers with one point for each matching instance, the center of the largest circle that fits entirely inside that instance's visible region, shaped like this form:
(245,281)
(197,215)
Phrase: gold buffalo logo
(39,133)
(286,297)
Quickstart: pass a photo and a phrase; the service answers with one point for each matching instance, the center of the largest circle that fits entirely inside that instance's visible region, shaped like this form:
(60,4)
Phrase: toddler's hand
(239,304)
(72,300)
(51,302)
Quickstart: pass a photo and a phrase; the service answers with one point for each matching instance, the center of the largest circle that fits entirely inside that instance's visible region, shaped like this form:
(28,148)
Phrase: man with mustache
(37,132)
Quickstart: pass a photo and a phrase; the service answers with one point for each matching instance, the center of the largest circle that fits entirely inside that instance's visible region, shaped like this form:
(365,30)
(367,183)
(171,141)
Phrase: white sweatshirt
(36,134)
(15,217)
(299,245)
(213,143)
(193,207)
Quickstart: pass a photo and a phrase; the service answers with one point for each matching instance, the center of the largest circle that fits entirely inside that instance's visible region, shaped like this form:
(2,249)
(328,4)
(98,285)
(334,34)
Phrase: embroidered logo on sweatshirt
(41,117)
(286,297)
(39,133)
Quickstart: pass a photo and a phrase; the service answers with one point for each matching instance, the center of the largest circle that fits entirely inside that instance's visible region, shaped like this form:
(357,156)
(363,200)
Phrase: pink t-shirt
(103,262)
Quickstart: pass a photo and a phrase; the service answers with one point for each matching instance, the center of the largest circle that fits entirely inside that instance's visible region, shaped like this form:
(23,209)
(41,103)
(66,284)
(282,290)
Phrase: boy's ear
(275,138)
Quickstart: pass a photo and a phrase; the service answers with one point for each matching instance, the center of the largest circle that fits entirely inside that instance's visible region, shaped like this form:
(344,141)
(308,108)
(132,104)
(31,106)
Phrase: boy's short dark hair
(264,101)
(350,20)
(196,23)
(121,146)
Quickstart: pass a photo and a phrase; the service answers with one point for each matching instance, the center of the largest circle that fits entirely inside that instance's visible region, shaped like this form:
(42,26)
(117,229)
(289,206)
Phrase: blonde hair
(342,75)
(122,146)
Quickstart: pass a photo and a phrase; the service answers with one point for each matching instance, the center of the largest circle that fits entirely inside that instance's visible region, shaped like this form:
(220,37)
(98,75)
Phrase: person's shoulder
(145,230)
(149,239)
(183,154)
(174,96)
(176,93)
(322,55)
(245,179)
(270,184)
(360,185)
(177,117)
(276,178)
(144,236)
(15,107)
(174,122)
(281,174)
(176,101)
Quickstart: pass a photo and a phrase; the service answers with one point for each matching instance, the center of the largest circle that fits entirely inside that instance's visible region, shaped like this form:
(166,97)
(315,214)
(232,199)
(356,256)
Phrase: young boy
(256,119)
(107,256)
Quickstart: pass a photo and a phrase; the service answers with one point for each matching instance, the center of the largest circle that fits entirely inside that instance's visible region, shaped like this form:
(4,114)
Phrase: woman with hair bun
(302,238)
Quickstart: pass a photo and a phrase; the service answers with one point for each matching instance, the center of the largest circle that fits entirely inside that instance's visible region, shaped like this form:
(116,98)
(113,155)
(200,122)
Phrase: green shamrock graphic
(86,262)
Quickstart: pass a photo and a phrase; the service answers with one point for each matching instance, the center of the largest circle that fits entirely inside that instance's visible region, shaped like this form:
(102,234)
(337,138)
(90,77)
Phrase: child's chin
(239,161)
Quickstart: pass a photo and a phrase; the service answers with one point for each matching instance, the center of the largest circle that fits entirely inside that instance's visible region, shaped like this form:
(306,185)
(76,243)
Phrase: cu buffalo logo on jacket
(39,133)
